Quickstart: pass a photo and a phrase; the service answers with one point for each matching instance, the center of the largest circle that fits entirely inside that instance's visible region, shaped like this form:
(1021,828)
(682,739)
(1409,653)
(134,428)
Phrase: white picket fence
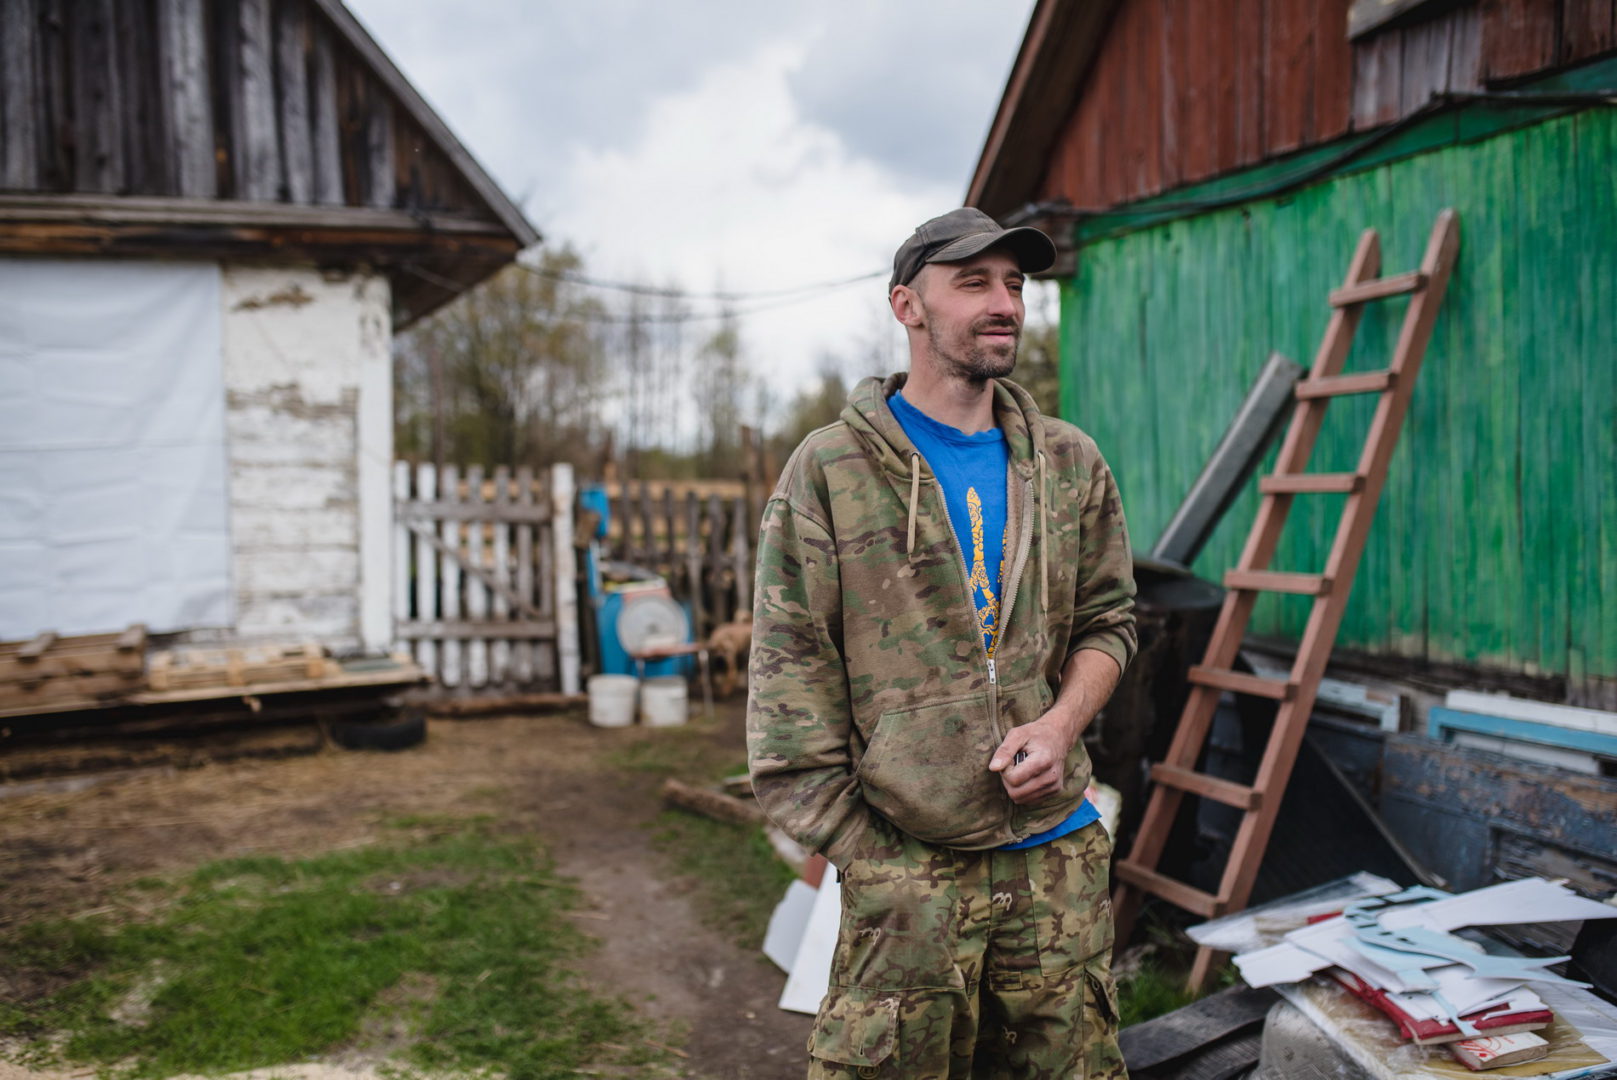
(485,590)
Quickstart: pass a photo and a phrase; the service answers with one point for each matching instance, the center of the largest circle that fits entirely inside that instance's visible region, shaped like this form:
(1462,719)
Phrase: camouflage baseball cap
(962,233)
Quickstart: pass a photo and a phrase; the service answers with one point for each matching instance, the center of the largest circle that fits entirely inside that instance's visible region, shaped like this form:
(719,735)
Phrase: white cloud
(730,187)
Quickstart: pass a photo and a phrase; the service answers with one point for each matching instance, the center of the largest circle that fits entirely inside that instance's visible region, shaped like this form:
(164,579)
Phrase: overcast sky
(721,143)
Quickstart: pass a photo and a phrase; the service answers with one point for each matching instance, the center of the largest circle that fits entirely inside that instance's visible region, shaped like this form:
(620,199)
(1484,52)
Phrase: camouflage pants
(972,964)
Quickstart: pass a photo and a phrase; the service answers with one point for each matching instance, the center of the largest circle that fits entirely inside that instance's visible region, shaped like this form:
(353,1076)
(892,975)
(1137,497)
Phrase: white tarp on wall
(113,494)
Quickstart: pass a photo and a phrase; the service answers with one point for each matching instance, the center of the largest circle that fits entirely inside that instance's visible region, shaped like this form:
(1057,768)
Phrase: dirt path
(65,851)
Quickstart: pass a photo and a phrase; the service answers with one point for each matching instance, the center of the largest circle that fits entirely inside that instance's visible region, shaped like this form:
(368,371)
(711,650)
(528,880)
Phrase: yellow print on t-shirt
(982,590)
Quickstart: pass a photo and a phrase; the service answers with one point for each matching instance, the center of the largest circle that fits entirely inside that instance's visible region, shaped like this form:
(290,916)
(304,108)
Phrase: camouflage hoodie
(870,687)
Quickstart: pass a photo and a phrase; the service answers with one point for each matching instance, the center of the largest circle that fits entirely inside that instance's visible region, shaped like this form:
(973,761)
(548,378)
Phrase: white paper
(811,970)
(1529,900)
(786,926)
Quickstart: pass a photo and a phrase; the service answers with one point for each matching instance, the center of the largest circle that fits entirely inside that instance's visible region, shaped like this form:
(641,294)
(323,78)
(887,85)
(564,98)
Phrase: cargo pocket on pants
(1072,903)
(857,1029)
(1102,1058)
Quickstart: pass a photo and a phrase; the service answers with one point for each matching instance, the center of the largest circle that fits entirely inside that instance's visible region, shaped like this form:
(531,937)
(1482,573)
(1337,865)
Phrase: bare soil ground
(67,845)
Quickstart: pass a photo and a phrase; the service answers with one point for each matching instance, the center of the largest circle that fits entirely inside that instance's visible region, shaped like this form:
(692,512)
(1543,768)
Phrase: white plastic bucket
(662,701)
(612,700)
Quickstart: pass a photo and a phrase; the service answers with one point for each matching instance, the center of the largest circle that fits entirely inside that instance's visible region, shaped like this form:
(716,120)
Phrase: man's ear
(906,305)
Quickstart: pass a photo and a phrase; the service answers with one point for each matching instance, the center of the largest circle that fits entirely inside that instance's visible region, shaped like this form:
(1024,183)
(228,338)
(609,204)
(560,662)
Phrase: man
(944,602)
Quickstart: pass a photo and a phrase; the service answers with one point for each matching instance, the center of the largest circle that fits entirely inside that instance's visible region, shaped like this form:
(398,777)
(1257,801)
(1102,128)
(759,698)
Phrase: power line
(786,298)
(727,296)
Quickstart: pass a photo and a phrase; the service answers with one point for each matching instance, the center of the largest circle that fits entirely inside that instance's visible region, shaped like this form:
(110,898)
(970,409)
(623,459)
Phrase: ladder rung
(1379,289)
(1176,893)
(1225,791)
(1222,679)
(1276,581)
(1297,483)
(1333,385)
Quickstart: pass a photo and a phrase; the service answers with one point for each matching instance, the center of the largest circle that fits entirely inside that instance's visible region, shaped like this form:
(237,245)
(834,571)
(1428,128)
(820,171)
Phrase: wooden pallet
(241,666)
(1176,777)
(51,669)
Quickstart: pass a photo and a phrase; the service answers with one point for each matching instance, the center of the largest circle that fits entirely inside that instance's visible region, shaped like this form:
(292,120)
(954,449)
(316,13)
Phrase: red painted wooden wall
(1183,90)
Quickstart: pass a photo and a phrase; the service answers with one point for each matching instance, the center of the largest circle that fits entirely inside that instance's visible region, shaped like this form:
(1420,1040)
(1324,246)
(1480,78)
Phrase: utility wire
(608,318)
(722,295)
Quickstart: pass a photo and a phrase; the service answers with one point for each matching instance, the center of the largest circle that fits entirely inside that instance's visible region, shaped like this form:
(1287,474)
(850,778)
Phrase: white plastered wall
(308,393)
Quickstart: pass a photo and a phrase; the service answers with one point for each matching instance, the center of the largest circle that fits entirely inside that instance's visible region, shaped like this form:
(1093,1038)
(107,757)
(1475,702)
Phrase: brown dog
(731,641)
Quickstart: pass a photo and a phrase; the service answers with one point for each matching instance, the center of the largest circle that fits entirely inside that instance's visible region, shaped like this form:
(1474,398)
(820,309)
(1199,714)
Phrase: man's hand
(1032,761)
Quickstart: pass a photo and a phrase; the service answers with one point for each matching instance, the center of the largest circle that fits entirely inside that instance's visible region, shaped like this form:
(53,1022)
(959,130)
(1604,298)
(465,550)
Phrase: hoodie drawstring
(915,497)
(1044,540)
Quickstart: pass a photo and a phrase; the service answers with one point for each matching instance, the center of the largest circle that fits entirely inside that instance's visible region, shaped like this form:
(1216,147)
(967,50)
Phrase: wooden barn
(1207,166)
(214,215)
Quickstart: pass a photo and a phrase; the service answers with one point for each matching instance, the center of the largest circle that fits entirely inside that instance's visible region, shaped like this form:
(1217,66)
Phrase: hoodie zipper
(1018,564)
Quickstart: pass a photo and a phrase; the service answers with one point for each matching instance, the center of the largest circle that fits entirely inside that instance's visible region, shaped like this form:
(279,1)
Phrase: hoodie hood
(878,430)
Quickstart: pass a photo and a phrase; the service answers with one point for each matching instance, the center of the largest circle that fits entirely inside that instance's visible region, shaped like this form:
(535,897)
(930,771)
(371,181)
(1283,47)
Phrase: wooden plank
(403,578)
(1587,27)
(1377,85)
(381,186)
(187,97)
(1426,57)
(451,669)
(144,116)
(1288,76)
(1278,581)
(292,100)
(565,570)
(132,639)
(477,590)
(1310,483)
(1370,382)
(254,144)
(1157,1042)
(1465,50)
(324,128)
(1240,683)
(426,573)
(1380,288)
(1251,42)
(1366,15)
(19,99)
(1176,893)
(1333,72)
(1191,782)
(472,631)
(524,656)
(1518,38)
(98,148)
(36,648)
(499,658)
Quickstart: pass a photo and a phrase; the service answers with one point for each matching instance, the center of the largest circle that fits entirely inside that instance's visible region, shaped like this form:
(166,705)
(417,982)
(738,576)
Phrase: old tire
(408,729)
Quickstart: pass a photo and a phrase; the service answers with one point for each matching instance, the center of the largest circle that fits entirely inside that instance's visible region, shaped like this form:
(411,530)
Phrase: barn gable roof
(1111,102)
(266,129)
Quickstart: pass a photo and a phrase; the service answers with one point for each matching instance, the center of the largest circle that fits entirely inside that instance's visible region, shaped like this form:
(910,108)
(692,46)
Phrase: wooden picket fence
(485,590)
(699,535)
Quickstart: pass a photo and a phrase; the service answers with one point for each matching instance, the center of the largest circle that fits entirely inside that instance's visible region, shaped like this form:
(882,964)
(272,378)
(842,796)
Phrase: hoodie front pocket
(926,769)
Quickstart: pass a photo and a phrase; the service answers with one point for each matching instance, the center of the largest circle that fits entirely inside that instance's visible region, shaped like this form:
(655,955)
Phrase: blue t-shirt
(971,471)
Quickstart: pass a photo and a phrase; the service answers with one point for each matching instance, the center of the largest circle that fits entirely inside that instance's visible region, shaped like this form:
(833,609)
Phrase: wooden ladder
(1177,776)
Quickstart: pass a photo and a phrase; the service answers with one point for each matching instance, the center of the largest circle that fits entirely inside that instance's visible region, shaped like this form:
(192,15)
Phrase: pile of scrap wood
(50,671)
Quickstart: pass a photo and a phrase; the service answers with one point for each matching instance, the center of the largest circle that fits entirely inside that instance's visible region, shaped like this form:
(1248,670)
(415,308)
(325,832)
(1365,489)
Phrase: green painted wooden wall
(1496,539)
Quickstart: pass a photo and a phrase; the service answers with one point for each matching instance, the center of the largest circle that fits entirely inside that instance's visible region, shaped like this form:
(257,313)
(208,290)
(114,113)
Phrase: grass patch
(1149,992)
(737,876)
(452,953)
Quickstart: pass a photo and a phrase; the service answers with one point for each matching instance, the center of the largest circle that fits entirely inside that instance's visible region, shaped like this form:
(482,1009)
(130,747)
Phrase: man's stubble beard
(972,362)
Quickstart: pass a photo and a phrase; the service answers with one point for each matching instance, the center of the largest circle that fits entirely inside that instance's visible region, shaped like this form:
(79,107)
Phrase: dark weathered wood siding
(1496,539)
(1184,90)
(254,100)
